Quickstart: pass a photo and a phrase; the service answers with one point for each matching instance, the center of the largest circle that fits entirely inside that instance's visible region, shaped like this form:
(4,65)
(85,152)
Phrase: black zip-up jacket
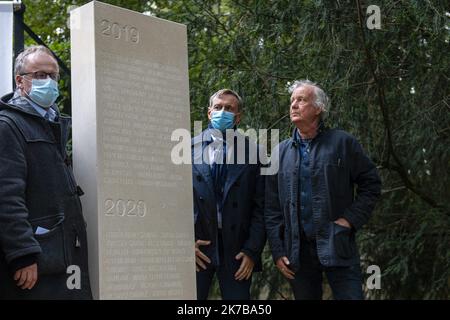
(337,164)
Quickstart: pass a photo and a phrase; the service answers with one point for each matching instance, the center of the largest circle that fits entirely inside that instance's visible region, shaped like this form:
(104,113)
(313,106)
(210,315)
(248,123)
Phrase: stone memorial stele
(130,90)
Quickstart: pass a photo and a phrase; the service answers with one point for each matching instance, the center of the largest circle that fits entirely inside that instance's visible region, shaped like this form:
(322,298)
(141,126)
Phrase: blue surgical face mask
(44,92)
(222,120)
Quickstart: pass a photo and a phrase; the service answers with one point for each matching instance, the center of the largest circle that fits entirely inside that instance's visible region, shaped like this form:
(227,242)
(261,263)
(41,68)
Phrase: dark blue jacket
(243,213)
(37,188)
(338,163)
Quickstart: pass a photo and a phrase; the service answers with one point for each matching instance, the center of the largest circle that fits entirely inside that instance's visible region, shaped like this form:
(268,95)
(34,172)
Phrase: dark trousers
(345,282)
(230,288)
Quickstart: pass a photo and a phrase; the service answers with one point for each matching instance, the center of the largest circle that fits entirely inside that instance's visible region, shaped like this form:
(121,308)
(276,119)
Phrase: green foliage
(388,87)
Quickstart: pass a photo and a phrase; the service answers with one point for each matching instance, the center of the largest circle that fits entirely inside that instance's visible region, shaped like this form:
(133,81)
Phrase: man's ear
(237,118)
(209,113)
(19,81)
(318,111)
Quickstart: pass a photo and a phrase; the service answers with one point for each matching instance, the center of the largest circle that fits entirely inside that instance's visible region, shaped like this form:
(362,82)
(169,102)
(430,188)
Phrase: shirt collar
(298,138)
(42,111)
(215,135)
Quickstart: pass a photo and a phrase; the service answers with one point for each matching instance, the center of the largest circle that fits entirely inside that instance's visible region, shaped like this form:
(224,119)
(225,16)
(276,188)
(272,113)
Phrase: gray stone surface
(130,90)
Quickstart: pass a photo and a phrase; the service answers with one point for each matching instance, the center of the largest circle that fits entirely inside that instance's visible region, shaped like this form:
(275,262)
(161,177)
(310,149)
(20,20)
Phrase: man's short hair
(223,92)
(19,64)
(321,99)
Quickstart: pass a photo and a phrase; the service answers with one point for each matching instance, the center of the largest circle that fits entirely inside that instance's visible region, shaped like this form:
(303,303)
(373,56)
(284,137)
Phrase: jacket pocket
(336,179)
(344,243)
(53,258)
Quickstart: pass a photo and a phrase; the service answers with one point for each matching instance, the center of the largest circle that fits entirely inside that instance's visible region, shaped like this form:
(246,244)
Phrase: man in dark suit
(228,201)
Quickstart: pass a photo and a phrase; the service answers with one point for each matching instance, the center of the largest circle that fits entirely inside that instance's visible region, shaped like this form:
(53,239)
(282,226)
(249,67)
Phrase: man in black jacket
(311,212)
(42,229)
(228,202)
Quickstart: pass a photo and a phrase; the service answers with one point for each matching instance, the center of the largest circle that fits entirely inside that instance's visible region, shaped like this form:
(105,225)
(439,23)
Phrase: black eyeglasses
(41,75)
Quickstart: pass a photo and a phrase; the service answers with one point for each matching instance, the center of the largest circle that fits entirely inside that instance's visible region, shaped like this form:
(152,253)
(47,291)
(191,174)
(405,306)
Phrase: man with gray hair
(311,212)
(42,229)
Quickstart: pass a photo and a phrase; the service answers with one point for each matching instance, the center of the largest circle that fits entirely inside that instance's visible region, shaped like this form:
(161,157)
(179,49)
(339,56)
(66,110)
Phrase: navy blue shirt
(305,189)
